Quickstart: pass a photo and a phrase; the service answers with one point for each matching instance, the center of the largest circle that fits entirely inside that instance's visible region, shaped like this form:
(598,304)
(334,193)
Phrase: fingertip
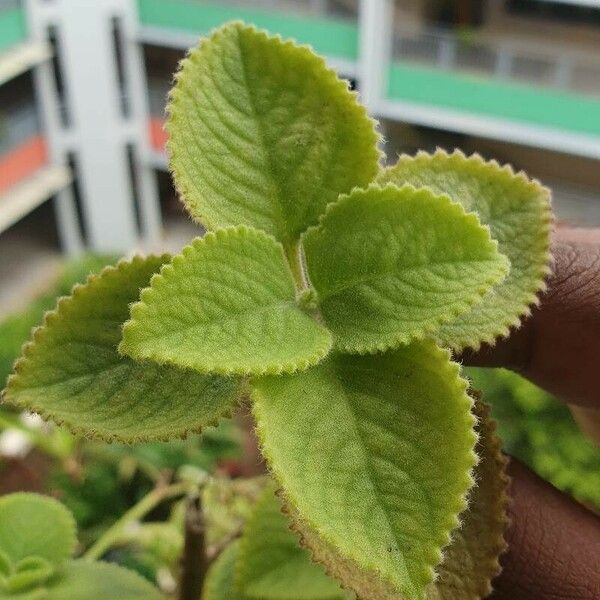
(553,544)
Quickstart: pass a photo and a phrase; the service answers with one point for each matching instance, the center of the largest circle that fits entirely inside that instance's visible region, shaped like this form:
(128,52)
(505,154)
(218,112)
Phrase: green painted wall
(427,86)
(327,36)
(12,27)
(489,97)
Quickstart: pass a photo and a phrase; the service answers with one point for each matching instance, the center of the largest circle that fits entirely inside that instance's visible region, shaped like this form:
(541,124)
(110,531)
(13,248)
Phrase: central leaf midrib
(369,469)
(390,273)
(232,317)
(283,224)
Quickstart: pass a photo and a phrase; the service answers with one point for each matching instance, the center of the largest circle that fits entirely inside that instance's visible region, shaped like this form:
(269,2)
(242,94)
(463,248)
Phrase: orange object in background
(158,135)
(21,162)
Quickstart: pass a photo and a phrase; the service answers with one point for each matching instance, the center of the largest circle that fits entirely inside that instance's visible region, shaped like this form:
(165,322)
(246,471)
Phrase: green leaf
(82,580)
(263,134)
(72,373)
(220,578)
(271,564)
(374,453)
(391,265)
(35,526)
(226,305)
(29,572)
(470,561)
(517,211)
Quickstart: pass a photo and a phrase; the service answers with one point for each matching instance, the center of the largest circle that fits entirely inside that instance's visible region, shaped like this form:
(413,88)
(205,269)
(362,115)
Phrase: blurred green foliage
(540,431)
(99,482)
(16,329)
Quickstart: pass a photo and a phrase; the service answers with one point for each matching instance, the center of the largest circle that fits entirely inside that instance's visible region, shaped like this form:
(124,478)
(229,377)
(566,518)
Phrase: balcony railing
(9,4)
(516,60)
(331,27)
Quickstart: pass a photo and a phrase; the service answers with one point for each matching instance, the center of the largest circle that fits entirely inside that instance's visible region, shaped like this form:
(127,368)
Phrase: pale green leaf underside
(374,453)
(471,560)
(73,374)
(517,211)
(271,564)
(226,305)
(220,578)
(34,525)
(263,134)
(391,265)
(83,580)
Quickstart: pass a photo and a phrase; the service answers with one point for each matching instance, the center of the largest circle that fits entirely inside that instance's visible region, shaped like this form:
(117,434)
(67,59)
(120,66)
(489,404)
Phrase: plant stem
(294,256)
(135,513)
(194,561)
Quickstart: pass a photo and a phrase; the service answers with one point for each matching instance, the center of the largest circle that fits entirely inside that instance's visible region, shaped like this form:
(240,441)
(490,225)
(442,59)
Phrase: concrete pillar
(98,132)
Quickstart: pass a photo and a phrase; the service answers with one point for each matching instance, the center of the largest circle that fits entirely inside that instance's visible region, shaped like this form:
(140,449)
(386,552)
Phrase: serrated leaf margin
(506,171)
(38,333)
(321,547)
(396,340)
(213,237)
(178,177)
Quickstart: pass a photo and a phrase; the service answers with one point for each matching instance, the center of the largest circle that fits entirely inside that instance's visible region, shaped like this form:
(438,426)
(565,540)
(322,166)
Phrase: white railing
(8,4)
(514,59)
(335,8)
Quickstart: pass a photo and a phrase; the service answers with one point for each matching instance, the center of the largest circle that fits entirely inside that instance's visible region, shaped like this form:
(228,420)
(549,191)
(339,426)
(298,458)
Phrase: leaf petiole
(135,513)
(293,254)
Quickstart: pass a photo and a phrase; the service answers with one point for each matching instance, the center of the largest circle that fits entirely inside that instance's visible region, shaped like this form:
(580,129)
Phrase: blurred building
(84,82)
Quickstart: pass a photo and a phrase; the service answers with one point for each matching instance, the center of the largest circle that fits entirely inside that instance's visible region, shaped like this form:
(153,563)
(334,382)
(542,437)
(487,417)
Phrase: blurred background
(84,85)
(83,177)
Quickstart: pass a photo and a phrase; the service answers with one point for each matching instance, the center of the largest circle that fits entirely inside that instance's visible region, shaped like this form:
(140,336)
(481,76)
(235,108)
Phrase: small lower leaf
(391,265)
(35,526)
(29,573)
(226,305)
(220,579)
(271,564)
(470,561)
(517,210)
(72,373)
(374,453)
(83,580)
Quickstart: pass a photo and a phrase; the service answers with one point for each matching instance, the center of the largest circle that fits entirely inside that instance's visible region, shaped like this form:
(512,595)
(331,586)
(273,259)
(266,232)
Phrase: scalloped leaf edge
(213,237)
(491,451)
(37,333)
(342,88)
(322,548)
(69,523)
(521,178)
(396,340)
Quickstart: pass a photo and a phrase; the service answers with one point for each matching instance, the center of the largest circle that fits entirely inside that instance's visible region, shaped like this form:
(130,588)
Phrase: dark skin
(554,543)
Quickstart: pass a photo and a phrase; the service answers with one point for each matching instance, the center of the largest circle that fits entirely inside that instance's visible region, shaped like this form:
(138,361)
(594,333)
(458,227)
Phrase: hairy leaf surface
(517,211)
(34,525)
(271,564)
(374,453)
(220,579)
(226,305)
(72,373)
(470,561)
(391,265)
(82,580)
(262,133)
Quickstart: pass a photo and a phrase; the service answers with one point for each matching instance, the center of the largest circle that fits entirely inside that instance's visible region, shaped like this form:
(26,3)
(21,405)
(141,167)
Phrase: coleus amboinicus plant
(330,291)
(37,543)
